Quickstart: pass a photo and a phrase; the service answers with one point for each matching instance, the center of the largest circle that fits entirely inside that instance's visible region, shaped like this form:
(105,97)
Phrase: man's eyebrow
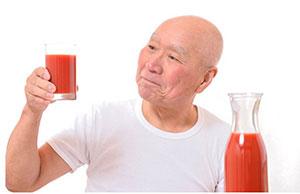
(178,49)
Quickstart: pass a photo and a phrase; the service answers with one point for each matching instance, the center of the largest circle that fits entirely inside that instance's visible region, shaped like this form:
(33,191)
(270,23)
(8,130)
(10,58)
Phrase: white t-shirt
(124,152)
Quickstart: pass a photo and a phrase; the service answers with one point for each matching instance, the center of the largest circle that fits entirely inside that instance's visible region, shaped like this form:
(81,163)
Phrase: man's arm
(27,167)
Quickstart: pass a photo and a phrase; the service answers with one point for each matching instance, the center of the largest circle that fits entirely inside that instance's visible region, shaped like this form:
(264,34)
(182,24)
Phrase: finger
(41,83)
(38,92)
(37,100)
(42,72)
(44,84)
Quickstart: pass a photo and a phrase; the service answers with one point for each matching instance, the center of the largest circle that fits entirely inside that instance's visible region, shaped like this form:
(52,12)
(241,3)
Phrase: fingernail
(45,75)
(50,88)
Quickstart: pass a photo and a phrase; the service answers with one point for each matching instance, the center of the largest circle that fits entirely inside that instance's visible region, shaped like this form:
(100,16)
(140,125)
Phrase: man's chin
(146,94)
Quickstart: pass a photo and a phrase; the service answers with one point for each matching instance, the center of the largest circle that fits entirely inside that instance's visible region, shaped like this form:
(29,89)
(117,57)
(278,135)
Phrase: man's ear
(207,79)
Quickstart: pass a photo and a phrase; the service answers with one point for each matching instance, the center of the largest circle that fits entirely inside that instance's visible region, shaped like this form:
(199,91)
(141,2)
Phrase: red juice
(246,163)
(62,69)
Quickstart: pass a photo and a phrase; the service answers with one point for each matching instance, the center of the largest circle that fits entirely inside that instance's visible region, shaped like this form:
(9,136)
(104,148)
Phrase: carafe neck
(245,108)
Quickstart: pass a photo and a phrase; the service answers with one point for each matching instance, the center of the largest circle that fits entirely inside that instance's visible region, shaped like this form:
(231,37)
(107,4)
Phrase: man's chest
(152,165)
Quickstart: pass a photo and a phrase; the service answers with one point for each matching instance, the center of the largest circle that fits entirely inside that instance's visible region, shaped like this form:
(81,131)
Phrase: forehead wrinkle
(177,49)
(173,47)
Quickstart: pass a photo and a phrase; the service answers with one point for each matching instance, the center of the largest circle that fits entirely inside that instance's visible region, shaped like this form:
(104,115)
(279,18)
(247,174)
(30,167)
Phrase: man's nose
(155,66)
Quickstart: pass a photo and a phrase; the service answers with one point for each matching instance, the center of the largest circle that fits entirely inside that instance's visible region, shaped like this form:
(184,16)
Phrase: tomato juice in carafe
(245,156)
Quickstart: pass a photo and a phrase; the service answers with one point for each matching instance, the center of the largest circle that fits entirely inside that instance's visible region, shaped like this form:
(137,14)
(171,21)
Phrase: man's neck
(175,119)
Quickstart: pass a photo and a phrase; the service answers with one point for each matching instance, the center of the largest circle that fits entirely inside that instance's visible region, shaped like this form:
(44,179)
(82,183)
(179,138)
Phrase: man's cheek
(176,77)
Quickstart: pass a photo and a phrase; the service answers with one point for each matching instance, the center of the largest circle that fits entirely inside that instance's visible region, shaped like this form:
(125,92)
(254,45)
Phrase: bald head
(201,37)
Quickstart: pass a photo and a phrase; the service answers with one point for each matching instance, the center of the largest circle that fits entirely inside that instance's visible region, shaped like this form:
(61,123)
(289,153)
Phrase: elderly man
(161,142)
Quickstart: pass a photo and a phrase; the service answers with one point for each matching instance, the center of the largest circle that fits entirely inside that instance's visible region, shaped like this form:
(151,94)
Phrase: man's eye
(173,58)
(151,47)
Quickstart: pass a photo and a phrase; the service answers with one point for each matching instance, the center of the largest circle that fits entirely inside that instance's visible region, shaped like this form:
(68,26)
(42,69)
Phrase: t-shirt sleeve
(73,144)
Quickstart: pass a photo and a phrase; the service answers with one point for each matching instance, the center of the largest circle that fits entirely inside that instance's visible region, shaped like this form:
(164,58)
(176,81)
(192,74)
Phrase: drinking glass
(61,64)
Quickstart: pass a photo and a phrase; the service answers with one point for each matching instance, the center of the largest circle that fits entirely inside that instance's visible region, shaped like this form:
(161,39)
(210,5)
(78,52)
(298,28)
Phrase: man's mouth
(150,81)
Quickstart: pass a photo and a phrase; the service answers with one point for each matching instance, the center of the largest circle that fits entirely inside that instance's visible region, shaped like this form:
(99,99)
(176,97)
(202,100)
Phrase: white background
(261,53)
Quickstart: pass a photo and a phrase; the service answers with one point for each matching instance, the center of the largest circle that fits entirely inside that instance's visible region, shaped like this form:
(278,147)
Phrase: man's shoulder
(214,122)
(217,131)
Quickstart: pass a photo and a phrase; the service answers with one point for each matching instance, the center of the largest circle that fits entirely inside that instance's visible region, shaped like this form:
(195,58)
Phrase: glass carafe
(245,156)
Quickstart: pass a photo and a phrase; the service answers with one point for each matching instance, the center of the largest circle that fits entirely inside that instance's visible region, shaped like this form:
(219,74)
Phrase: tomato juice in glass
(61,64)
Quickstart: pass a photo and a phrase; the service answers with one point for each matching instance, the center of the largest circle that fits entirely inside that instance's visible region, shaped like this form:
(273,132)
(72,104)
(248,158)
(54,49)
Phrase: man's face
(168,67)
